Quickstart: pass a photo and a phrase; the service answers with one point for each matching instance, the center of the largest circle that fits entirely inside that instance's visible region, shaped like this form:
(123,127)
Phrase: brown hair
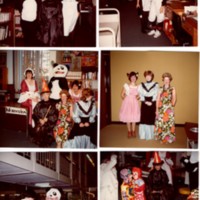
(66,93)
(86,93)
(149,73)
(166,74)
(132,74)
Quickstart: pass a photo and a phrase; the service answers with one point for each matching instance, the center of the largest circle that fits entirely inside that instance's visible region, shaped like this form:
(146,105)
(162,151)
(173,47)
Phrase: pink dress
(130,109)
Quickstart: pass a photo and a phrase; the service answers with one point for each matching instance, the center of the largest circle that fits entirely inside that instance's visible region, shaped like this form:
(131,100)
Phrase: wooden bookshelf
(7,27)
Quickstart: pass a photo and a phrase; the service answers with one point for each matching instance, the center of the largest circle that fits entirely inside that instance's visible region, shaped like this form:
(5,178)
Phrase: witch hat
(45,88)
(157,159)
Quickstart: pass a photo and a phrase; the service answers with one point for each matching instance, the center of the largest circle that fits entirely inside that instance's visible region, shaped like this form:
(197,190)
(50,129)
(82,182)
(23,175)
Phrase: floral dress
(64,123)
(165,123)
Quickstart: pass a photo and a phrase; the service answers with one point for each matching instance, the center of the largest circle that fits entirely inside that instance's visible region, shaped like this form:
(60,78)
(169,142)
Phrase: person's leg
(129,129)
(133,130)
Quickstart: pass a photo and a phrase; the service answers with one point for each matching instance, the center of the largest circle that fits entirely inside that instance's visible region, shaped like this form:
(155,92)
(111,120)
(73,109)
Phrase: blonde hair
(166,74)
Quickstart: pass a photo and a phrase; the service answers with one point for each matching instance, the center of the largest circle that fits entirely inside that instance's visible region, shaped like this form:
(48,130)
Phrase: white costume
(70,15)
(146,4)
(109,182)
(167,163)
(154,13)
(29,11)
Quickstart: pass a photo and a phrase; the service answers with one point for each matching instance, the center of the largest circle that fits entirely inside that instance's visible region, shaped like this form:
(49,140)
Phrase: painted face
(133,79)
(166,81)
(135,175)
(148,78)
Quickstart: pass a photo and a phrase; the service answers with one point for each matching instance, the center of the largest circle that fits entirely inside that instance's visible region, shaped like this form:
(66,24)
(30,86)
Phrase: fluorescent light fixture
(42,185)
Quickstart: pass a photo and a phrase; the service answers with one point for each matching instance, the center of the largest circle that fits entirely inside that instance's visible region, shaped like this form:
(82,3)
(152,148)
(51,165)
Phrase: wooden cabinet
(7,27)
(3,78)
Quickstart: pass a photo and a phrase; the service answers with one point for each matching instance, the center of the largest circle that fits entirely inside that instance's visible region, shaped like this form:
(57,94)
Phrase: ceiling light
(42,185)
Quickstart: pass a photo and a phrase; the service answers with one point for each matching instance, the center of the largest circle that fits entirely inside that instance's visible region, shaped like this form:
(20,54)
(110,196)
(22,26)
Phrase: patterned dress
(165,123)
(64,124)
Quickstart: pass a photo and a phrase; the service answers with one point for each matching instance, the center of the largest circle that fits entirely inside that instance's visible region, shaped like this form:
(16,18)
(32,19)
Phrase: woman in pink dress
(130,109)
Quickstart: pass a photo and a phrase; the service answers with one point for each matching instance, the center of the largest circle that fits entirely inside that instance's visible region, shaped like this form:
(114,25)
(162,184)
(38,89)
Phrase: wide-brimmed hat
(29,69)
(157,159)
(45,88)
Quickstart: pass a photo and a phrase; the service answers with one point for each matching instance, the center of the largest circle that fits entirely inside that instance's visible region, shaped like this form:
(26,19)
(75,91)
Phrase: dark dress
(50,21)
(158,182)
(44,134)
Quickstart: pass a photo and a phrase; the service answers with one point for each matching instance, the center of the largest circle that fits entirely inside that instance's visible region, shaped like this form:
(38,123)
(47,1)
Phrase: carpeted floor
(131,34)
(115,135)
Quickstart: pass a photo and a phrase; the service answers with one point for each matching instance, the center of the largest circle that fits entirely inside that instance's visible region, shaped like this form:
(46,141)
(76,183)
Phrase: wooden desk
(189,24)
(192,138)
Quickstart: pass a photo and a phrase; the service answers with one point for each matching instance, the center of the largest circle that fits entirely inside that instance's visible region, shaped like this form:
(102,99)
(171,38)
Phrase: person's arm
(173,97)
(123,93)
(157,103)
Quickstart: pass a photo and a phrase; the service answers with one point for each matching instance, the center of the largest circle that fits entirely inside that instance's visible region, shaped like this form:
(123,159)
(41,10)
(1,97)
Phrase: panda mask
(60,70)
(53,194)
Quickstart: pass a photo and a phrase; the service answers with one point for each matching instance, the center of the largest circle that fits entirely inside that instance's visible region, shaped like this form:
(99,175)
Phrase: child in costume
(45,115)
(65,123)
(126,186)
(138,184)
(130,109)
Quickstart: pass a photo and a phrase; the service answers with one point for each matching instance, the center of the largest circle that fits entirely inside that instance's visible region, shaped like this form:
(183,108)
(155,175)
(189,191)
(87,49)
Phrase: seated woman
(75,91)
(29,95)
(84,115)
(64,123)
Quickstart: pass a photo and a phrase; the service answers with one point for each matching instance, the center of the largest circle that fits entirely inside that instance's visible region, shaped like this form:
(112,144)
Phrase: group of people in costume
(156,114)
(134,187)
(152,15)
(69,121)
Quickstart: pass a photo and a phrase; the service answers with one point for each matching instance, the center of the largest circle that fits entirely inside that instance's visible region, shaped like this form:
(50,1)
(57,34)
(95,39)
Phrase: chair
(109,27)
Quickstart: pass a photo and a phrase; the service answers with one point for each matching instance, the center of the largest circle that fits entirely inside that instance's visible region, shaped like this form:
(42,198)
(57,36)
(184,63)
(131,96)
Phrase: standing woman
(130,109)
(64,123)
(148,94)
(166,100)
(29,95)
(75,91)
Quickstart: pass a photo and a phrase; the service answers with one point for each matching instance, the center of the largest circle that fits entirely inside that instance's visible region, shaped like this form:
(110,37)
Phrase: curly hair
(168,75)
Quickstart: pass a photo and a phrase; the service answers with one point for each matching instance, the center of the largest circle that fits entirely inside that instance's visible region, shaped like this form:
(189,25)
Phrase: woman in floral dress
(64,124)
(165,123)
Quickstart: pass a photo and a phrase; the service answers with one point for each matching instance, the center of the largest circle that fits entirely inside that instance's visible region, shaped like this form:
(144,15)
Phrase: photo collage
(99,100)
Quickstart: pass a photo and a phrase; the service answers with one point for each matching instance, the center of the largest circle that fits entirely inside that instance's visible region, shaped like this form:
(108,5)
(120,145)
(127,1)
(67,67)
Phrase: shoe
(133,133)
(129,134)
(152,32)
(157,34)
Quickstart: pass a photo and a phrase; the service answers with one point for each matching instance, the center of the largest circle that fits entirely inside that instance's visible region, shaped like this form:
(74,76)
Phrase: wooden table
(192,137)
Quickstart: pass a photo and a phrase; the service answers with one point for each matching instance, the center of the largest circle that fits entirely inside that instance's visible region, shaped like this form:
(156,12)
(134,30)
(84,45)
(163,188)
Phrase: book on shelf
(4,17)
(74,75)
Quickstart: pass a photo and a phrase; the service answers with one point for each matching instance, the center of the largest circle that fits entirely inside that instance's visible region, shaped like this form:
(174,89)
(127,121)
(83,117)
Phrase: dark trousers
(29,31)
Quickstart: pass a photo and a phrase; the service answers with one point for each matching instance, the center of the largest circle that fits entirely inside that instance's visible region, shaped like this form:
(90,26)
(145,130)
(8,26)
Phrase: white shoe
(157,34)
(152,32)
